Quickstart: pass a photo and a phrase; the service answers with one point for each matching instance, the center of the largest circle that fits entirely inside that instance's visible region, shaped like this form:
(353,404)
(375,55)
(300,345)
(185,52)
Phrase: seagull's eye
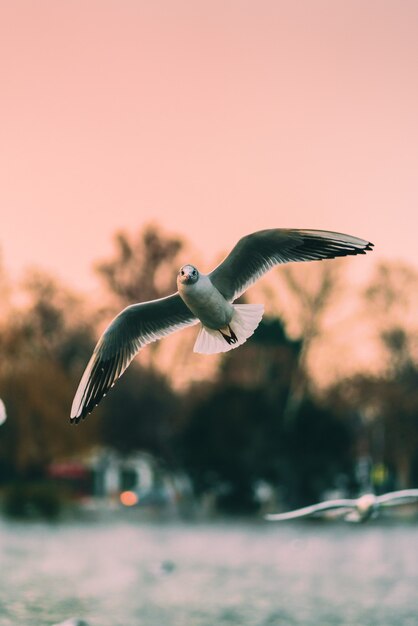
(182,272)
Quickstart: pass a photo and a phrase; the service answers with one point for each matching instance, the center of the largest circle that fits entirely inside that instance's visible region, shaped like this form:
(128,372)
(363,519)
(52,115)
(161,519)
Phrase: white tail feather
(245,319)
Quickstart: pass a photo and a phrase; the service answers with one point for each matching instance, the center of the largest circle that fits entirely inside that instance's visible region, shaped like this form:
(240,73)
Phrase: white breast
(207,303)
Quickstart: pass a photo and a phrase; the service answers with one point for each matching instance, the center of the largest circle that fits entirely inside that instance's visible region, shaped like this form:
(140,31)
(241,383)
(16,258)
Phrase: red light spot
(128,498)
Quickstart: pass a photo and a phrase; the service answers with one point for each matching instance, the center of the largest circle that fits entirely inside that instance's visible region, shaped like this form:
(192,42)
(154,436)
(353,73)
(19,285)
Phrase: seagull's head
(366,503)
(188,275)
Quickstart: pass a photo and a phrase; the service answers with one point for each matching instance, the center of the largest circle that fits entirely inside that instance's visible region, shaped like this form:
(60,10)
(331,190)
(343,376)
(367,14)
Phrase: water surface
(136,574)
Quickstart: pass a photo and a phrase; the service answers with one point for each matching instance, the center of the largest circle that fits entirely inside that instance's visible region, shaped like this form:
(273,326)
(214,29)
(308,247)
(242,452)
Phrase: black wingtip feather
(103,377)
(318,248)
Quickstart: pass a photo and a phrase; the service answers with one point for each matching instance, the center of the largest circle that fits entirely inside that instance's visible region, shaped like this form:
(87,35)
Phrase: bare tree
(41,345)
(392,299)
(313,290)
(144,266)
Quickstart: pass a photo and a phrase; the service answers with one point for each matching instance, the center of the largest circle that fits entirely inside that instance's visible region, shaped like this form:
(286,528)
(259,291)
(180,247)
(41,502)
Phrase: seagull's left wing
(308,511)
(256,254)
(133,328)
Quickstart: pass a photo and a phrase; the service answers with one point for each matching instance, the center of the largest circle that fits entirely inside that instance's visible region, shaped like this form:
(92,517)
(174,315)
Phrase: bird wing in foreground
(395,498)
(256,254)
(3,414)
(307,511)
(133,328)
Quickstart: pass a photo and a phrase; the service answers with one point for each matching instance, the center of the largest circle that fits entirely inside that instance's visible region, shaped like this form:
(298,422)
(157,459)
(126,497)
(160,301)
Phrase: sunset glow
(211,119)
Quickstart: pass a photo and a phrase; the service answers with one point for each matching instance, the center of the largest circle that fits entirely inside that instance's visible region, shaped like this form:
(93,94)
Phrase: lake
(131,573)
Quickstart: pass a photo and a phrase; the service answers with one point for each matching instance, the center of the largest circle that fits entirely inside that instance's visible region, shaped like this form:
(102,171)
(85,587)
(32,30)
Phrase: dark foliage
(236,437)
(226,444)
(315,447)
(140,413)
(28,500)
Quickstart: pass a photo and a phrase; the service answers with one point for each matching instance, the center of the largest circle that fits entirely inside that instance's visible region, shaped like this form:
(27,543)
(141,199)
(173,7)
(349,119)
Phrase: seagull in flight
(206,299)
(360,509)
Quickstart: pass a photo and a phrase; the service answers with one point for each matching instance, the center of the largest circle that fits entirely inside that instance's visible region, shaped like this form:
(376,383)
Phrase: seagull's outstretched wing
(395,498)
(308,511)
(132,329)
(256,254)
(3,414)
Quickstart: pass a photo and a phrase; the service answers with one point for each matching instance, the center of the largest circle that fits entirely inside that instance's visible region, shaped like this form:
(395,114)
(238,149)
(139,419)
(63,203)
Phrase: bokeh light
(128,498)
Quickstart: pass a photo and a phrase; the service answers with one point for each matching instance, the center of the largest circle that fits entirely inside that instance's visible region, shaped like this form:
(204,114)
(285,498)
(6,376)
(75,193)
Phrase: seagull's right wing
(395,498)
(308,511)
(256,254)
(132,329)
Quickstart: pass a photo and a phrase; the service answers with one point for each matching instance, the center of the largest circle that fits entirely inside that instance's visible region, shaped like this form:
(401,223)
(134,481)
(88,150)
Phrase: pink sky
(213,119)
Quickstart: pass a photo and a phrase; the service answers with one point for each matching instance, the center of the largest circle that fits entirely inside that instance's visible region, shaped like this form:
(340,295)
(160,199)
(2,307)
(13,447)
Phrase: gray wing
(307,511)
(395,498)
(256,254)
(131,330)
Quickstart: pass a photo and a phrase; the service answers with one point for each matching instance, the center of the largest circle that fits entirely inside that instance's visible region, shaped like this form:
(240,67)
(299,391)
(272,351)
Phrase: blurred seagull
(360,509)
(3,414)
(204,298)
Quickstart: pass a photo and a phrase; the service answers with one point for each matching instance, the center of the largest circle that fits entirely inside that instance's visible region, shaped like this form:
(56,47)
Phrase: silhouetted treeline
(257,418)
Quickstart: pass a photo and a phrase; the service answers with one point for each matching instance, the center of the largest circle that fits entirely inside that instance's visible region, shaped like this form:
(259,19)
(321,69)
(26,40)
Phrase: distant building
(133,479)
